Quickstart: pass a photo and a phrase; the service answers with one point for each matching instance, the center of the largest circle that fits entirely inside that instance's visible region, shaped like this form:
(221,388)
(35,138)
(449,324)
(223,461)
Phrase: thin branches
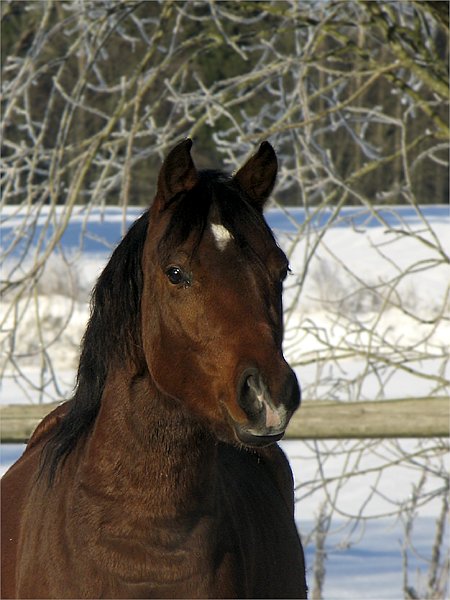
(354,97)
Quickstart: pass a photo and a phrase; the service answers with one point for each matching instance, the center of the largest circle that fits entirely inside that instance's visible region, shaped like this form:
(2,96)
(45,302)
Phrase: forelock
(215,199)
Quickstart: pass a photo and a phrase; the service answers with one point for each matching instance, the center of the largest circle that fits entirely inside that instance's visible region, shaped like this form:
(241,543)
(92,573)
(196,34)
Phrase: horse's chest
(156,566)
(160,560)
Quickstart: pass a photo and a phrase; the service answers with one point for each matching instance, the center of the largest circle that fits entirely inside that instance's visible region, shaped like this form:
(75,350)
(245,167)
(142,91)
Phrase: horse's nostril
(255,399)
(251,385)
(251,393)
(246,384)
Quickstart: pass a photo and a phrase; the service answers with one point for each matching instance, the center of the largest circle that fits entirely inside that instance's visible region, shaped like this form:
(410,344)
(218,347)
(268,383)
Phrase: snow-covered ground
(372,283)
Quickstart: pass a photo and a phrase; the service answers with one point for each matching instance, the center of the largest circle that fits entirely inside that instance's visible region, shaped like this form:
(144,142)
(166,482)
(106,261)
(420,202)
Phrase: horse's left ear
(257,176)
(178,174)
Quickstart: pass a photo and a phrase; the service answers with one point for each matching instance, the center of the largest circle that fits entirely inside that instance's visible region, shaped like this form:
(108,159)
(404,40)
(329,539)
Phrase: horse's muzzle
(267,420)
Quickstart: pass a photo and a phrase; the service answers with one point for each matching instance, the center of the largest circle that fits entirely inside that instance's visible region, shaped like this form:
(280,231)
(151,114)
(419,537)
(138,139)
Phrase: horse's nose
(266,417)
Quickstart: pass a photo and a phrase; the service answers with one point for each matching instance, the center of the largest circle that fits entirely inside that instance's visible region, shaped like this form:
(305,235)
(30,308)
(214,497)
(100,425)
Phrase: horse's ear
(177,174)
(257,176)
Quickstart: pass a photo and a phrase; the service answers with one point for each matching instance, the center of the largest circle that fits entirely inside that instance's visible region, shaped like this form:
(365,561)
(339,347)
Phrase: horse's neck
(144,494)
(147,455)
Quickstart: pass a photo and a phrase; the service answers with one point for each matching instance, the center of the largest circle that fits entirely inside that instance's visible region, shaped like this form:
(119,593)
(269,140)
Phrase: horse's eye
(177,276)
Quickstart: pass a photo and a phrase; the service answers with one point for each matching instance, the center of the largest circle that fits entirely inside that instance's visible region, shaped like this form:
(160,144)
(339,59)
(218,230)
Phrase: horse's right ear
(177,174)
(257,176)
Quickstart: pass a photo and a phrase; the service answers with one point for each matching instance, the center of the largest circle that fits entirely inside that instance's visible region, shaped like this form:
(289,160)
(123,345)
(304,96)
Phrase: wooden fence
(410,417)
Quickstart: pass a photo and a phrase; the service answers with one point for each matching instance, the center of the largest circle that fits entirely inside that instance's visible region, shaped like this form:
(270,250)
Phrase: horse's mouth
(250,439)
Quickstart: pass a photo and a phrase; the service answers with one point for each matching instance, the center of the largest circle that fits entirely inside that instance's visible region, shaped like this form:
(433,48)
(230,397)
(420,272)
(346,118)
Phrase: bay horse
(161,477)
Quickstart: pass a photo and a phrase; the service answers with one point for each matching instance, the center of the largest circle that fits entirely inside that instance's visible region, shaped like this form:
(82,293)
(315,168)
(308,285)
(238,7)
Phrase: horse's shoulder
(48,423)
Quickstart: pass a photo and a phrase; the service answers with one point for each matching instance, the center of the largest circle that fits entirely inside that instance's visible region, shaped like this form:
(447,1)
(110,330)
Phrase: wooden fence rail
(409,417)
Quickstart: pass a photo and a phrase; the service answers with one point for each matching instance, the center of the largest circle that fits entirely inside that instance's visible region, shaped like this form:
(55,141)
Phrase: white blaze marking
(221,235)
(273,418)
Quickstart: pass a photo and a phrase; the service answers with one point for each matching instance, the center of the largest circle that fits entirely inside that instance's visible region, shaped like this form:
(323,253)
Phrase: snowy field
(367,486)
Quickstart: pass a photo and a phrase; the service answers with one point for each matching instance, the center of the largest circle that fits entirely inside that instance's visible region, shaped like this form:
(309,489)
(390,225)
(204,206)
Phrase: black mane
(114,329)
(215,192)
(112,333)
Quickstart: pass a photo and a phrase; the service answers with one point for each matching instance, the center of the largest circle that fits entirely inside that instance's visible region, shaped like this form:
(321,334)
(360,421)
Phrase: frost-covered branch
(354,97)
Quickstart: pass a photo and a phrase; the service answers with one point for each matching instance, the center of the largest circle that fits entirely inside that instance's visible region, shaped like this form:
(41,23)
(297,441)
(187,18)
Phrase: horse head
(211,307)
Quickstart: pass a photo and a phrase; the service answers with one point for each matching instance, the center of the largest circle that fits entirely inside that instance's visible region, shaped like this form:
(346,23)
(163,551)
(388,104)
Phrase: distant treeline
(354,96)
